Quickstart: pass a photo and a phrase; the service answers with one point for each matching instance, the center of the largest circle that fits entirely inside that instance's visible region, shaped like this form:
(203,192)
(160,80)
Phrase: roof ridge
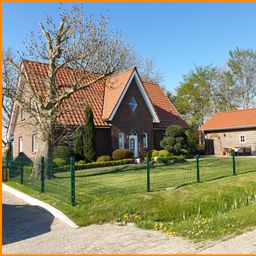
(121,72)
(235,110)
(154,83)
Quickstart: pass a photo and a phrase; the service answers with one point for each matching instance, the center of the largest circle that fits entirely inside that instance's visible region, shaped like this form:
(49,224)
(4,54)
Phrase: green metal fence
(81,186)
(47,180)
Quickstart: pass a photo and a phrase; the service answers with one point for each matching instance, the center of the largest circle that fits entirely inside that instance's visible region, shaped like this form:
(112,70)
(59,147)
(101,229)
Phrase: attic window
(133,104)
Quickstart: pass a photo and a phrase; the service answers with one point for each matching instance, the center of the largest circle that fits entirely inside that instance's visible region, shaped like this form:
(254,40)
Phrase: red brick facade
(113,117)
(24,130)
(127,121)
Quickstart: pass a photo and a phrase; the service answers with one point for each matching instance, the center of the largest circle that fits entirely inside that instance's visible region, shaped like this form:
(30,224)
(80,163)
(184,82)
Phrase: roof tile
(231,119)
(101,96)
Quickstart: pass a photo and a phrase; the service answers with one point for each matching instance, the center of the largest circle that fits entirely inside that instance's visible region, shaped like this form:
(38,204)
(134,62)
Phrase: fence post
(9,170)
(21,175)
(234,163)
(5,169)
(72,181)
(42,177)
(148,174)
(21,172)
(197,169)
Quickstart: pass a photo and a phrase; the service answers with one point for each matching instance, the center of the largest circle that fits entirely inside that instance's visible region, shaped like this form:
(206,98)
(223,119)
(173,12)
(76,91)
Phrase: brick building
(231,130)
(128,113)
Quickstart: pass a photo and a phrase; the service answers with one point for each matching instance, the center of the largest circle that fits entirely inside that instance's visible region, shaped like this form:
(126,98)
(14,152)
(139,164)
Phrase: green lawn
(202,211)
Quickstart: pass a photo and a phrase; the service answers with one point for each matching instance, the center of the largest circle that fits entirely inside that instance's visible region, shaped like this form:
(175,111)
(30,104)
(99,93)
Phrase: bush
(104,158)
(178,159)
(59,162)
(63,152)
(162,160)
(102,164)
(155,153)
(175,140)
(121,153)
(164,153)
(82,166)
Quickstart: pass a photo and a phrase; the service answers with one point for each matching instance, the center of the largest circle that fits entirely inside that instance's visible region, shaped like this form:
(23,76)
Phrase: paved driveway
(28,229)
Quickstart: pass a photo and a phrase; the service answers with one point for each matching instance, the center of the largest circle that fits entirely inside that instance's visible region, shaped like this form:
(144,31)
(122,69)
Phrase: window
(133,104)
(32,104)
(145,140)
(34,143)
(242,139)
(121,140)
(22,114)
(20,144)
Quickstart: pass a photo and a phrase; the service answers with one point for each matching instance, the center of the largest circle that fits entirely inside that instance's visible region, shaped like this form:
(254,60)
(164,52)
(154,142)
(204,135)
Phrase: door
(209,146)
(133,144)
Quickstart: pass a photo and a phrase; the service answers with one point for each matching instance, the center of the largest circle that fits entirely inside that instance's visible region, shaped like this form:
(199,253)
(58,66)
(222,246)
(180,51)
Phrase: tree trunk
(45,149)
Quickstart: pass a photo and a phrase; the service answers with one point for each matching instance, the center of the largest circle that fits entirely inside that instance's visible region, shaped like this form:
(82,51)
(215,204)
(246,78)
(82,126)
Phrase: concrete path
(28,229)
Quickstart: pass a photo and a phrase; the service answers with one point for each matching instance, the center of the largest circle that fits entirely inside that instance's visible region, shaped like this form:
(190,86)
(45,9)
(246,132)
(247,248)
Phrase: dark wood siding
(103,141)
(158,136)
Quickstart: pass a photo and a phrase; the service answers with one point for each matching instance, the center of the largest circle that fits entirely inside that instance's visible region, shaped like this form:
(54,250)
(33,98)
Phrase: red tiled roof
(164,108)
(114,88)
(101,96)
(231,120)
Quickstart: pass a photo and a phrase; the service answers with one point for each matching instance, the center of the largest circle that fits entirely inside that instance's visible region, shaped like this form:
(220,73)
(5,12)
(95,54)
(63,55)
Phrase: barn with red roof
(231,130)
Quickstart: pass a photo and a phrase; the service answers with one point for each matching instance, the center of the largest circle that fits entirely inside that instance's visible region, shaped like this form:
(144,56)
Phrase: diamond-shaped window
(133,104)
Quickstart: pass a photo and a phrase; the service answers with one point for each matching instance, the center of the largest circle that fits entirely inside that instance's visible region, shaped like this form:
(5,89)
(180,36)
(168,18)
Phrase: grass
(208,210)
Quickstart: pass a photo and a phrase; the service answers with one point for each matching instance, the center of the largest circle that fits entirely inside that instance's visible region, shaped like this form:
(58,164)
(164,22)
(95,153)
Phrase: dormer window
(133,104)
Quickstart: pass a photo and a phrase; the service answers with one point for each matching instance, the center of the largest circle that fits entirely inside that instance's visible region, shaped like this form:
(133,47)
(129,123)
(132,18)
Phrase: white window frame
(121,140)
(32,104)
(34,143)
(22,115)
(20,144)
(133,104)
(145,140)
(240,138)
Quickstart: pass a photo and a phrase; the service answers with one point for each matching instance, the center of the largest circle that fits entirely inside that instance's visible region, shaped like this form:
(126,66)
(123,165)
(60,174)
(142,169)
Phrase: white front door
(133,144)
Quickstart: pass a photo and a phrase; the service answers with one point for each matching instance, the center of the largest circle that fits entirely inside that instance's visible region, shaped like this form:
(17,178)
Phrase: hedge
(121,153)
(81,166)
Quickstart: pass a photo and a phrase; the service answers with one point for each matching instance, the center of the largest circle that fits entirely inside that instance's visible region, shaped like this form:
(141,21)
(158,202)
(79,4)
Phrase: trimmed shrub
(162,160)
(175,140)
(164,153)
(59,161)
(121,153)
(63,152)
(82,166)
(104,158)
(178,159)
(155,153)
(89,136)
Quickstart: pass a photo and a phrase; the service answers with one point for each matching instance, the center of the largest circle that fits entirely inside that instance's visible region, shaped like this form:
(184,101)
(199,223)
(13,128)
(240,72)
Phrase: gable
(133,109)
(133,77)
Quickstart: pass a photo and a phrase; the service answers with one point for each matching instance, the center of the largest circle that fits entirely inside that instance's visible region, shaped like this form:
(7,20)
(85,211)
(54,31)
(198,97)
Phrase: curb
(33,201)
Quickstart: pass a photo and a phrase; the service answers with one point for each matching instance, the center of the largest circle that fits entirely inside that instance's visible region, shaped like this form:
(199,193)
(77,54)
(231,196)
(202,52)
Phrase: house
(128,113)
(231,130)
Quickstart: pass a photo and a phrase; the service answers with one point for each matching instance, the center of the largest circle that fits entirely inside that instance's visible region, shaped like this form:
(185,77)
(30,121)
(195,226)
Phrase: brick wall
(25,129)
(103,141)
(158,136)
(127,121)
(231,138)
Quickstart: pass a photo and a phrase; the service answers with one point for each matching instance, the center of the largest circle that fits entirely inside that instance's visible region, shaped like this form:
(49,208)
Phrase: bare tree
(86,48)
(242,65)
(149,73)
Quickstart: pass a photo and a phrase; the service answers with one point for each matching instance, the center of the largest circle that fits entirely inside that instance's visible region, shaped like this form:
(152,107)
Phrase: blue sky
(176,35)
